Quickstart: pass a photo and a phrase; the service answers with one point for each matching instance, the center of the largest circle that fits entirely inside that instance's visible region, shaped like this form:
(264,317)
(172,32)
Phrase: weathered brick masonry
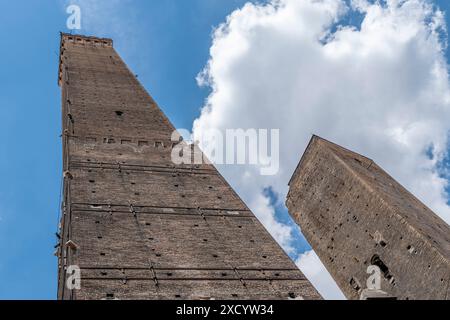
(355,215)
(137,225)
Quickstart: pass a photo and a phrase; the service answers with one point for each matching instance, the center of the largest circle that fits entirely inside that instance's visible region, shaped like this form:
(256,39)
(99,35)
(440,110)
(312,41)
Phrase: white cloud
(260,205)
(380,89)
(311,266)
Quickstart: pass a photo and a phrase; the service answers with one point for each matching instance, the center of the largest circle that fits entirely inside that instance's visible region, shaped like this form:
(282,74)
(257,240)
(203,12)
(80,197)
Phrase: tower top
(85,40)
(79,40)
(316,141)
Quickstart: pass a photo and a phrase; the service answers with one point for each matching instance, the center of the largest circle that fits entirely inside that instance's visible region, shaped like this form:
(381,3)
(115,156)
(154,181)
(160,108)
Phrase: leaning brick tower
(138,226)
(355,215)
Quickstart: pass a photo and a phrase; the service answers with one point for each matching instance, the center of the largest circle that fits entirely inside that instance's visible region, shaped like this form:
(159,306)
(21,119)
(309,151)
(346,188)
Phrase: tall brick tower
(355,215)
(138,226)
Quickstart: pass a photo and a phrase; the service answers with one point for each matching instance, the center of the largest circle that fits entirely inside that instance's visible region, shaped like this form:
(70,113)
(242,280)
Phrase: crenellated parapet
(79,40)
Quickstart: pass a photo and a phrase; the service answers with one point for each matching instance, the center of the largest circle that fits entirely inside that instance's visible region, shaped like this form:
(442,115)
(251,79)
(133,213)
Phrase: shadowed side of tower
(355,215)
(138,226)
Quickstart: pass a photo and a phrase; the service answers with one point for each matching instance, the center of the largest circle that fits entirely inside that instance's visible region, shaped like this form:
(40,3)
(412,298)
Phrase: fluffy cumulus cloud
(380,88)
(260,203)
(314,270)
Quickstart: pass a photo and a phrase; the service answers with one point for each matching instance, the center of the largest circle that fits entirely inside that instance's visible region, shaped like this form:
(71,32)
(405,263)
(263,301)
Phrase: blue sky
(171,46)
